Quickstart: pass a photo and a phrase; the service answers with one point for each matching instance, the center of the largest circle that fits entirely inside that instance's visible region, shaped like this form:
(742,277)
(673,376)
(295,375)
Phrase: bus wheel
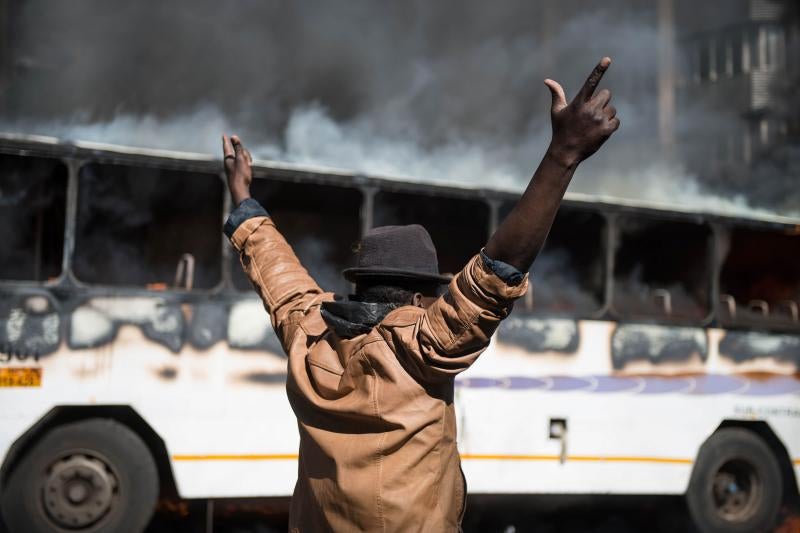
(736,484)
(88,476)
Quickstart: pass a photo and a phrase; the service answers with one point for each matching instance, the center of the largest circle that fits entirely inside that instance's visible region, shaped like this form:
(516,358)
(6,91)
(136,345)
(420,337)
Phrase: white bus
(658,352)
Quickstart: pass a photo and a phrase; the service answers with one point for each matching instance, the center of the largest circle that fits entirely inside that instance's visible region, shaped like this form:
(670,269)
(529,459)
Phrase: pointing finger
(557,94)
(588,88)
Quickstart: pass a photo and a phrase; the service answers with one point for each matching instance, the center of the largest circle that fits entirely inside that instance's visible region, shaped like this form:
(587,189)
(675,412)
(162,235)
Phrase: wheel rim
(737,490)
(79,490)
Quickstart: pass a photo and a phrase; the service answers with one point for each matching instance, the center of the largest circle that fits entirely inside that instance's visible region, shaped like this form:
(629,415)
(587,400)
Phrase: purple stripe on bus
(564,383)
(772,386)
(615,384)
(522,382)
(699,385)
(479,383)
(658,385)
(718,384)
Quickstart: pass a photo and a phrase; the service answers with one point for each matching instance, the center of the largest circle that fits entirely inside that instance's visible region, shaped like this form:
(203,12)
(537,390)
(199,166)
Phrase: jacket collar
(349,319)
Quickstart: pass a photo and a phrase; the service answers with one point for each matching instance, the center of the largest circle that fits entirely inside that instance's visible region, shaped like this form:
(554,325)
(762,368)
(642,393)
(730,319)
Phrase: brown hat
(397,252)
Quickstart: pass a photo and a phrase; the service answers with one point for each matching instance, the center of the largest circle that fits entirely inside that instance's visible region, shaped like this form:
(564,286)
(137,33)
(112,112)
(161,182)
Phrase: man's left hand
(238,165)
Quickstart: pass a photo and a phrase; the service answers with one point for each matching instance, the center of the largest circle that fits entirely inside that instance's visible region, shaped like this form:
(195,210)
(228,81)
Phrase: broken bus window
(320,222)
(32,213)
(760,277)
(459,227)
(140,226)
(568,277)
(662,269)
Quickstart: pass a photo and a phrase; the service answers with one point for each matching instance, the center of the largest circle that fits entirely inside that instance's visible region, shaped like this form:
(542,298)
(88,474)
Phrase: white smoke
(312,137)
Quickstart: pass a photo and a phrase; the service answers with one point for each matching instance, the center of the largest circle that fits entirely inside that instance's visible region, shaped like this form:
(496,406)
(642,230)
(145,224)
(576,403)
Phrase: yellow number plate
(20,377)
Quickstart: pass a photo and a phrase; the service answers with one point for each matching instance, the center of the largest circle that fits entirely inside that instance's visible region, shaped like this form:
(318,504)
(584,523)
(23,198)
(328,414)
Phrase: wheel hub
(736,490)
(78,491)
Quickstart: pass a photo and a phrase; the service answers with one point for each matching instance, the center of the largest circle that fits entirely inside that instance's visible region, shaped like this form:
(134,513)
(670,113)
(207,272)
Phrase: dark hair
(392,290)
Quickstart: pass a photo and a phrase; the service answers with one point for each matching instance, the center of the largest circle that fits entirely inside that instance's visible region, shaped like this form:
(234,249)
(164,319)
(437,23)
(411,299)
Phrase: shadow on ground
(485,514)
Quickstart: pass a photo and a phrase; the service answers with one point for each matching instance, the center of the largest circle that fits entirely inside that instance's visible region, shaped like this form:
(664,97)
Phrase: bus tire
(736,484)
(91,476)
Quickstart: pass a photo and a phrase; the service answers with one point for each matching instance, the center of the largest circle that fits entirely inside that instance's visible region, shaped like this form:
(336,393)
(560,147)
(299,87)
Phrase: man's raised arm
(580,127)
(285,287)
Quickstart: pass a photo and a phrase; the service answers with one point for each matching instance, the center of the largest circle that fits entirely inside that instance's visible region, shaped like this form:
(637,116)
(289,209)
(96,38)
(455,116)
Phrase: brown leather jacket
(375,412)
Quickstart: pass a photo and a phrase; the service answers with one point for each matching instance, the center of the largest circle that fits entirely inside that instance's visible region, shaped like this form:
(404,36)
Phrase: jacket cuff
(491,288)
(502,270)
(249,208)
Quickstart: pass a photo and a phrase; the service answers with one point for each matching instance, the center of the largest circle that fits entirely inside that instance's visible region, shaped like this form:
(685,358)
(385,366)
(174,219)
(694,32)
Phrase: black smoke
(432,90)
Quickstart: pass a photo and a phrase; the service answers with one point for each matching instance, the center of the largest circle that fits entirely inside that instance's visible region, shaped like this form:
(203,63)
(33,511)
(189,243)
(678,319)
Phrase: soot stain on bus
(30,327)
(741,346)
(657,344)
(539,335)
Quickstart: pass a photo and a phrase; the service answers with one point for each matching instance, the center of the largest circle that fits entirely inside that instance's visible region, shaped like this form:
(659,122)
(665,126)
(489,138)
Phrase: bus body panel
(229,430)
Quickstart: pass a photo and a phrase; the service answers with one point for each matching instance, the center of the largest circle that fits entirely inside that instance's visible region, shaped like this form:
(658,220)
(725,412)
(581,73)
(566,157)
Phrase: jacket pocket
(325,378)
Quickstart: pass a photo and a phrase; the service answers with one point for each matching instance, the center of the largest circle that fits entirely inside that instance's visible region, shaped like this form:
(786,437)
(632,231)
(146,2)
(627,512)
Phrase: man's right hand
(583,125)
(238,168)
(579,129)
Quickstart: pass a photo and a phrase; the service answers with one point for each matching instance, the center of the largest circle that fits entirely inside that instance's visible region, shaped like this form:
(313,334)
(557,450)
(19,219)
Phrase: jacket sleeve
(285,287)
(447,337)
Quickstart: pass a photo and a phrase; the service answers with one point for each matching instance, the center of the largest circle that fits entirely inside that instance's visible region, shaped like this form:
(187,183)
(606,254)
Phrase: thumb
(557,92)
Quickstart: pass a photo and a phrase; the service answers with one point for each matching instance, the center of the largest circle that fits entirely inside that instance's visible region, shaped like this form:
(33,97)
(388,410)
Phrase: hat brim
(353,274)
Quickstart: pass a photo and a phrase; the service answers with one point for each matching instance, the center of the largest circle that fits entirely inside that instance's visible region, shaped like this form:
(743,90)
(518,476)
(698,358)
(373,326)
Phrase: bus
(658,351)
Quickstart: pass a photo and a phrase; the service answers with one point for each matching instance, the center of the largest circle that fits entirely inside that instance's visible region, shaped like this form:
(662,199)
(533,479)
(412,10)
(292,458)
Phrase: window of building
(568,277)
(725,60)
(718,48)
(736,54)
(774,47)
(751,50)
(148,227)
(760,277)
(320,222)
(459,227)
(662,269)
(695,53)
(33,194)
(706,53)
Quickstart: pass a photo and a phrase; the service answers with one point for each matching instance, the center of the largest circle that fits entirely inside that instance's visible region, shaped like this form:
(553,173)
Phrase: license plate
(20,377)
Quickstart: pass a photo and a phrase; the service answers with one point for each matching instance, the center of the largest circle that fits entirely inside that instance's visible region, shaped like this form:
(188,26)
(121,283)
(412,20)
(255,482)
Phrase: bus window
(662,269)
(459,228)
(321,222)
(148,227)
(760,278)
(568,277)
(33,195)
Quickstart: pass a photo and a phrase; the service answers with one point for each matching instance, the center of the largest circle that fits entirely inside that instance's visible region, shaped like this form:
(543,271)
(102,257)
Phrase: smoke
(445,91)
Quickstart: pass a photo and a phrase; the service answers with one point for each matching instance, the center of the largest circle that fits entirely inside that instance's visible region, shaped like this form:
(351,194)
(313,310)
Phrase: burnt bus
(657,352)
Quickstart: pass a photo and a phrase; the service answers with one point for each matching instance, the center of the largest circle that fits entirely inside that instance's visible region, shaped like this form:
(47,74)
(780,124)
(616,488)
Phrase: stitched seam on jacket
(442,466)
(464,326)
(261,282)
(324,366)
(244,239)
(381,442)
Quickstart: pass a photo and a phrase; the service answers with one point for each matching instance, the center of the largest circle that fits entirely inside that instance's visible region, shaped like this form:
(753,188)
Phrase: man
(371,379)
